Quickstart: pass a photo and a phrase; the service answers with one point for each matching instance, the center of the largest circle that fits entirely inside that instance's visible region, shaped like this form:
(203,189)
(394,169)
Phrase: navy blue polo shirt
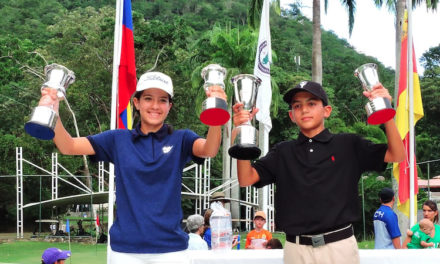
(148,176)
(317,180)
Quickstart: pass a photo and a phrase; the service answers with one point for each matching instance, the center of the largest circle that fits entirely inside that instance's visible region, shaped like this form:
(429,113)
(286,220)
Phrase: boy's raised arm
(396,150)
(246,174)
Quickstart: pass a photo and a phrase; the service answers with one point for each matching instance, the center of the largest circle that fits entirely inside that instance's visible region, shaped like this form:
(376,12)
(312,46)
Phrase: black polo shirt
(317,180)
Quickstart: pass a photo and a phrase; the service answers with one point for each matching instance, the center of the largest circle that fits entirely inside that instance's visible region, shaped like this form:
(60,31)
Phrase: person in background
(274,243)
(386,224)
(149,161)
(54,256)
(430,212)
(258,237)
(317,175)
(207,233)
(422,237)
(215,197)
(219,197)
(195,226)
(207,230)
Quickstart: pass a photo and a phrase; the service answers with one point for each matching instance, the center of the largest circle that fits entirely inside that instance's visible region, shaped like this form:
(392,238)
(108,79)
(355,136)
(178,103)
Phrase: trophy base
(244,152)
(380,117)
(215,112)
(42,123)
(39,131)
(379,111)
(245,145)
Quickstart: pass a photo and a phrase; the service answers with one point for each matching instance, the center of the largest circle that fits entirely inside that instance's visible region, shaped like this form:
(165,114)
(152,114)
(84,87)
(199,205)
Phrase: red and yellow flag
(401,170)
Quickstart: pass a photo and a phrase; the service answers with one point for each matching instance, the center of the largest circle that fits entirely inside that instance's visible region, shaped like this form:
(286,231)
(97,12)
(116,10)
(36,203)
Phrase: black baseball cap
(386,195)
(306,86)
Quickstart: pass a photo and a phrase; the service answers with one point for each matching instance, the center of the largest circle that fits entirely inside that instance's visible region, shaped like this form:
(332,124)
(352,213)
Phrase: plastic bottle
(221,230)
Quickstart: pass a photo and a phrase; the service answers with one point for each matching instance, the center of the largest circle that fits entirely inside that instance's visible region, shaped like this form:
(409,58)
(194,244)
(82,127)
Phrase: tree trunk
(316,46)
(399,22)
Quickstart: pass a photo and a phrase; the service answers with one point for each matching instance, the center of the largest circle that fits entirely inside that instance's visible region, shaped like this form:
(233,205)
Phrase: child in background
(257,238)
(54,256)
(420,238)
(274,243)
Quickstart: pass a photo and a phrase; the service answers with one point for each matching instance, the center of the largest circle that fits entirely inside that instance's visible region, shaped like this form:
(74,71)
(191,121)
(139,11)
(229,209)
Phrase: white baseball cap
(155,80)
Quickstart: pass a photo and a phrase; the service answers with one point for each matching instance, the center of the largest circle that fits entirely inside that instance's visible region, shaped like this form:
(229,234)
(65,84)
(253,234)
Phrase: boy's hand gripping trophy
(43,119)
(214,109)
(245,136)
(379,110)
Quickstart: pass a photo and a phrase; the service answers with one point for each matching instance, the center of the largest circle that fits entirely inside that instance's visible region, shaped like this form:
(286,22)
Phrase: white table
(275,256)
(272,256)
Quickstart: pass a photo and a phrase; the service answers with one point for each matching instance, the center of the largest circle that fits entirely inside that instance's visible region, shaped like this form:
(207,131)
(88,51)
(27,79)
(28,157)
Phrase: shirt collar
(160,134)
(322,137)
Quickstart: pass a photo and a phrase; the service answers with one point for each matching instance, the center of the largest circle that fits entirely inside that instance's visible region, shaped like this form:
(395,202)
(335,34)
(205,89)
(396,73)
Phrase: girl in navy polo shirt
(149,161)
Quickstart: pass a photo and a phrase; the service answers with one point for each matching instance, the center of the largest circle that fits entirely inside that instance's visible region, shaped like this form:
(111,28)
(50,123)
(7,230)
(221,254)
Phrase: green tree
(398,6)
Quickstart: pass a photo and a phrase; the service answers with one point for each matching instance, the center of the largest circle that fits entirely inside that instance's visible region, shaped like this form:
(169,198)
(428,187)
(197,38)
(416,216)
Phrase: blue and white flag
(67,226)
(263,60)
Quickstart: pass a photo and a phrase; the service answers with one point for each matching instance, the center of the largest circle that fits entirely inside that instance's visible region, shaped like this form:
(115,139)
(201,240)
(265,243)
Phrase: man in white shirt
(195,225)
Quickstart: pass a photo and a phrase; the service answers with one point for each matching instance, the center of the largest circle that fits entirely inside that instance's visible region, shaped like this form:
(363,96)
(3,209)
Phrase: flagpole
(411,116)
(70,259)
(68,234)
(263,60)
(116,61)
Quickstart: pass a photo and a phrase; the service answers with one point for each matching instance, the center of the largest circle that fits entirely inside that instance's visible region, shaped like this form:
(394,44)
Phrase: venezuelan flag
(127,69)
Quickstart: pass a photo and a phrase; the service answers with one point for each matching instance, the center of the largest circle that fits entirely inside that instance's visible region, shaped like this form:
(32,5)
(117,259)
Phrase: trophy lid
(58,77)
(367,75)
(213,67)
(365,67)
(238,77)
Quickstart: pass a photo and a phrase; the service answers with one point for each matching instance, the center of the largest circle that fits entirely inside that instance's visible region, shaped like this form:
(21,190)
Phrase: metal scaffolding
(201,192)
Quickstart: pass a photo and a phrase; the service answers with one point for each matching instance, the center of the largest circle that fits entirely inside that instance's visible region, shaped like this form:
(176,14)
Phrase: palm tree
(255,8)
(316,44)
(398,6)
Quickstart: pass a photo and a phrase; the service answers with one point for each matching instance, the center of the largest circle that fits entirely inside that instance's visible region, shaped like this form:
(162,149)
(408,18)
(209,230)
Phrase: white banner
(263,60)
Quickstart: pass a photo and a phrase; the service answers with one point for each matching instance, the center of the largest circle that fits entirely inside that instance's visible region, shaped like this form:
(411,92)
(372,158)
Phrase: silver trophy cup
(43,119)
(379,110)
(214,109)
(245,136)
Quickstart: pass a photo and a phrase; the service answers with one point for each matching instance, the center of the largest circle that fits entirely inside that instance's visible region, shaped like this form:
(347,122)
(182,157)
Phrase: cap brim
(291,93)
(64,255)
(220,200)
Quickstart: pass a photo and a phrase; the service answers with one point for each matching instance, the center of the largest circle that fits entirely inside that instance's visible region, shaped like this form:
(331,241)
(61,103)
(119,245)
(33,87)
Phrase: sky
(373,31)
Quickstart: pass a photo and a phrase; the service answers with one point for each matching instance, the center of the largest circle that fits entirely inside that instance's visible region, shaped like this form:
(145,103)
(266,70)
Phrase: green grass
(30,252)
(25,252)
(366,244)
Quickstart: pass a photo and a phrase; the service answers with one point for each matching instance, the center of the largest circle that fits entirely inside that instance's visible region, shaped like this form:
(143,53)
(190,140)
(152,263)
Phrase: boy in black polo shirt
(317,176)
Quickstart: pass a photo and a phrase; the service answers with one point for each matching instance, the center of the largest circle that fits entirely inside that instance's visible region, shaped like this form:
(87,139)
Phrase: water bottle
(221,232)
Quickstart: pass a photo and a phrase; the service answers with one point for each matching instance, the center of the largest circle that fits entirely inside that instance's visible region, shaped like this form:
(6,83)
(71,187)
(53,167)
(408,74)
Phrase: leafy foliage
(178,38)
